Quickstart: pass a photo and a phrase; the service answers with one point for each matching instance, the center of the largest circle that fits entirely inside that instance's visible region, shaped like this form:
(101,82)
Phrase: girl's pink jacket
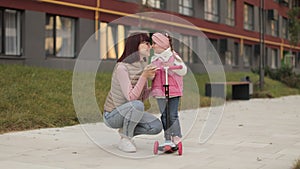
(175,81)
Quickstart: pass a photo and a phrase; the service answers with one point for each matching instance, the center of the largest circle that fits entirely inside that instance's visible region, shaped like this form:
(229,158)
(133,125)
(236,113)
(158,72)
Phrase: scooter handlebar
(175,67)
(172,67)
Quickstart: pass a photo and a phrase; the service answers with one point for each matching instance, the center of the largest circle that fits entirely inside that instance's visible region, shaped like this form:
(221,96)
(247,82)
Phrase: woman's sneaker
(126,145)
(120,131)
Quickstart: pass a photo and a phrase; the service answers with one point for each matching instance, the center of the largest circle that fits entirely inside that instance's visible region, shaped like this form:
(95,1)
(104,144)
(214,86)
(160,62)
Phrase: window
(274,28)
(60,36)
(247,55)
(289,59)
(236,54)
(112,40)
(248,17)
(284,2)
(211,10)
(185,7)
(230,18)
(185,49)
(212,55)
(296,3)
(10,32)
(160,4)
(274,58)
(284,27)
(228,58)
(298,60)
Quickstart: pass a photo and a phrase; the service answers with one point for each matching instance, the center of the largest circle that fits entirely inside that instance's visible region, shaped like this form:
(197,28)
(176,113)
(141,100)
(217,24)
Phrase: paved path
(254,134)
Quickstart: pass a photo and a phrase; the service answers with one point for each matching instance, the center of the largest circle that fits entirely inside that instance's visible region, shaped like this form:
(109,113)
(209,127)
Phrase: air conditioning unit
(273,14)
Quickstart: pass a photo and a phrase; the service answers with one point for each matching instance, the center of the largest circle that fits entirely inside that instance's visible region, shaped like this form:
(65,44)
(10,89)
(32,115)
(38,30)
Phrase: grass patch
(34,97)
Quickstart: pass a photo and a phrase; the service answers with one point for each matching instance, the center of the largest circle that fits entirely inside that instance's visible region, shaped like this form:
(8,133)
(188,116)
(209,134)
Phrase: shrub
(283,74)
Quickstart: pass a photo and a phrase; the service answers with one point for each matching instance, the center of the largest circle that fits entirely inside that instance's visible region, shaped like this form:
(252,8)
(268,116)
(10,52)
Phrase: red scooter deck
(168,149)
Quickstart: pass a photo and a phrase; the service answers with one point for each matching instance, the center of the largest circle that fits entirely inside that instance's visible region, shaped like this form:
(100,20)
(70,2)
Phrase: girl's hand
(167,64)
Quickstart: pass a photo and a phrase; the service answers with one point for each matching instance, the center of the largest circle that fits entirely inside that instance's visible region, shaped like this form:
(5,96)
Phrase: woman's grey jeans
(132,118)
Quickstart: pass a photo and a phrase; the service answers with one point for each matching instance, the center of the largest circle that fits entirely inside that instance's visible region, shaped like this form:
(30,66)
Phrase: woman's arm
(146,93)
(129,91)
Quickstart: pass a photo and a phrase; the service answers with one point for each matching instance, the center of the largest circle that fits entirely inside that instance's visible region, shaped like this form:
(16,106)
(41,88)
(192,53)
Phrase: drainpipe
(97,20)
(262,44)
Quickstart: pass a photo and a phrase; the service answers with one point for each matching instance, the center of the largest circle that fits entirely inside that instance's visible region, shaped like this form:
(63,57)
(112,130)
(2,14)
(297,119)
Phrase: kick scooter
(168,146)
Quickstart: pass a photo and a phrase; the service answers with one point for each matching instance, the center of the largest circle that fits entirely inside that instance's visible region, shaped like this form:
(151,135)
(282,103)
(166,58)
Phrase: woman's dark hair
(132,43)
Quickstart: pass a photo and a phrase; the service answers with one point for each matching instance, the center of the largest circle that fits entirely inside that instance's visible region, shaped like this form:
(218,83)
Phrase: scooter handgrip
(175,67)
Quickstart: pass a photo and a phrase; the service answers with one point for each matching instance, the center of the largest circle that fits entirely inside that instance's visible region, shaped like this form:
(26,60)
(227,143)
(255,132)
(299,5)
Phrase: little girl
(164,56)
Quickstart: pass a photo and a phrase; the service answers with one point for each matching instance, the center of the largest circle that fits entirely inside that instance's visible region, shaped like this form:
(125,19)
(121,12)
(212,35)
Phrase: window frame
(159,4)
(54,36)
(209,14)
(118,41)
(3,36)
(246,55)
(182,6)
(211,52)
(231,12)
(249,25)
(185,48)
(274,59)
(274,26)
(236,54)
(285,28)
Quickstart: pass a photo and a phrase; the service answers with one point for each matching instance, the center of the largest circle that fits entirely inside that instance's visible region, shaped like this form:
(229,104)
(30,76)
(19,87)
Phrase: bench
(240,90)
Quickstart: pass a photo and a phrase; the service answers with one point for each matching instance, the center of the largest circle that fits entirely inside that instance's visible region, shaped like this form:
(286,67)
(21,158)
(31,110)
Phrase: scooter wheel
(155,147)
(179,148)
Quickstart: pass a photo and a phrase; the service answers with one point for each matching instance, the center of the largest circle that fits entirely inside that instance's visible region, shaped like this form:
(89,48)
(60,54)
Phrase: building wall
(227,37)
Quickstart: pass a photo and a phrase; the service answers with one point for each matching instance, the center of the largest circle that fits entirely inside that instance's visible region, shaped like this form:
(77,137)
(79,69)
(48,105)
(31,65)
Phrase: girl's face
(144,49)
(157,49)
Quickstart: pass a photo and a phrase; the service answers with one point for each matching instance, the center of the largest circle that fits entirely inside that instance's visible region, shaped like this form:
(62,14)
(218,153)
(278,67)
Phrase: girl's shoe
(169,143)
(176,140)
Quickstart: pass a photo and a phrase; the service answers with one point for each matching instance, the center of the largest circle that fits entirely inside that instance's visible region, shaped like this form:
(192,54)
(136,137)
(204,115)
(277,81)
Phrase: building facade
(51,33)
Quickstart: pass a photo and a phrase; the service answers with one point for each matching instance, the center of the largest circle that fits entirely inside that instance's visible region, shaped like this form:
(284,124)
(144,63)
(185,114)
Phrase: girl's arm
(178,61)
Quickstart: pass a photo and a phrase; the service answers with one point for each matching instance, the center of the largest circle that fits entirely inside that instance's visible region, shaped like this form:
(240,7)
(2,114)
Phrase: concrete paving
(254,134)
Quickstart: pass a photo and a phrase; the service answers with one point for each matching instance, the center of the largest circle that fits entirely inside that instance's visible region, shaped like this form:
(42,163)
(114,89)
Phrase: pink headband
(161,40)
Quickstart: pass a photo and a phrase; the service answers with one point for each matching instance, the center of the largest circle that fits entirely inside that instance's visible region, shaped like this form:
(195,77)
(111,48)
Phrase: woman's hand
(149,72)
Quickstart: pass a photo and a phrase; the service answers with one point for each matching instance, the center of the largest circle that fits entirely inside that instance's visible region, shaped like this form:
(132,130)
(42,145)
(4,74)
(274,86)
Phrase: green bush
(284,74)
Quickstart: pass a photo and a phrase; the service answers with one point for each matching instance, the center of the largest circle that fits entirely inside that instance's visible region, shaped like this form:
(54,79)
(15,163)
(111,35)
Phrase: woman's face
(144,49)
(156,48)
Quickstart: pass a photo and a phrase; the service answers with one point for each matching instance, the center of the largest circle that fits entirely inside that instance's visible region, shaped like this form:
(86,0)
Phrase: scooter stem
(166,75)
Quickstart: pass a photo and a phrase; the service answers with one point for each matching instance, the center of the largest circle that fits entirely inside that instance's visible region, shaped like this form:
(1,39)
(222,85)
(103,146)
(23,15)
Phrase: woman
(123,108)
